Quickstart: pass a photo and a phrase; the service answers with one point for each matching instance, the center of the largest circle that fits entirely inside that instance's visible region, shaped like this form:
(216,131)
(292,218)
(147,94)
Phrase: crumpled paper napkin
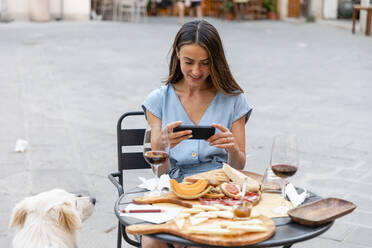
(155,183)
(21,145)
(293,196)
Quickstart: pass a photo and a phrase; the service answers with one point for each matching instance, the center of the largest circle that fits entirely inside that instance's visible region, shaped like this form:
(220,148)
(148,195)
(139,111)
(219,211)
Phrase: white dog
(50,219)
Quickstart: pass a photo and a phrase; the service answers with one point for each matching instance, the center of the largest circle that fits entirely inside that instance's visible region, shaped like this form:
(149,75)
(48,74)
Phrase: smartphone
(198,132)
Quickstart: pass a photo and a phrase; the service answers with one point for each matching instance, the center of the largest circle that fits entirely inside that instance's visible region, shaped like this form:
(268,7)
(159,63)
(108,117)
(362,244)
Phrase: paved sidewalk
(64,84)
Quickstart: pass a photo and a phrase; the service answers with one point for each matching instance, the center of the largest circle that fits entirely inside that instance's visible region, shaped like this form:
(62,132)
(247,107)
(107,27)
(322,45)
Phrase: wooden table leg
(354,17)
(368,25)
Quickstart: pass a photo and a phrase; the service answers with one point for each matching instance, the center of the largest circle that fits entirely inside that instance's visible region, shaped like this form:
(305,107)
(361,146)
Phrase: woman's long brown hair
(202,33)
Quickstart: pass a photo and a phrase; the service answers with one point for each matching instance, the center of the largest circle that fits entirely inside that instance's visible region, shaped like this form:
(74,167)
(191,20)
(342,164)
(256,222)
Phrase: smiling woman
(205,44)
(194,62)
(200,91)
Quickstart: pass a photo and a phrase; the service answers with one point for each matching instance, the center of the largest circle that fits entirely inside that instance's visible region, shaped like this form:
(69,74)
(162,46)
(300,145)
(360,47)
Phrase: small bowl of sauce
(242,210)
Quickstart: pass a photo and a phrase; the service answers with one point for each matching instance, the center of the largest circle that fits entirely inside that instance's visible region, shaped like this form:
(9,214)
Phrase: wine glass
(156,149)
(284,158)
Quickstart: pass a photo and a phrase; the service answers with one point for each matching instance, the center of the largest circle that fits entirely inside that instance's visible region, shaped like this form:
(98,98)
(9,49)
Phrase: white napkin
(153,183)
(157,218)
(295,198)
(21,145)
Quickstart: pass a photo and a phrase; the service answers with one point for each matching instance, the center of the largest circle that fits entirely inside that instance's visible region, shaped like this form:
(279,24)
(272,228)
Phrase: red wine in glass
(156,157)
(284,158)
(284,170)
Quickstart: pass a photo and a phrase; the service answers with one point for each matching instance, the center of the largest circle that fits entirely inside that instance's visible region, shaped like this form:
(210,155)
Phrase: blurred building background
(83,9)
(67,9)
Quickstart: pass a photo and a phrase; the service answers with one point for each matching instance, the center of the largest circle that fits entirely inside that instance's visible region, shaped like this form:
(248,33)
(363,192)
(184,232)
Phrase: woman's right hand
(176,137)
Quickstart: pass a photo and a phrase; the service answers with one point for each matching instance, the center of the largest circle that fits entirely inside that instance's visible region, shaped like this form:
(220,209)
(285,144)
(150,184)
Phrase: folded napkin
(168,213)
(293,196)
(155,183)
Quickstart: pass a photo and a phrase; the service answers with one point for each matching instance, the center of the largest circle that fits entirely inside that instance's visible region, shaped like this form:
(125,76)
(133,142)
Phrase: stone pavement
(64,84)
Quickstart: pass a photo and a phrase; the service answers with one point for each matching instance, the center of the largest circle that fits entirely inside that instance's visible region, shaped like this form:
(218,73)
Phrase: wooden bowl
(320,212)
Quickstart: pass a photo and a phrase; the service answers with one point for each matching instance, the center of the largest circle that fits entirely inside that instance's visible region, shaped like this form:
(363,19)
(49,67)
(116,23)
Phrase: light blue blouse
(195,156)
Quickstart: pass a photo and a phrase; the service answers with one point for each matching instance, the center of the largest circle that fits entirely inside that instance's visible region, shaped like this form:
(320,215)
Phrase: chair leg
(119,236)
(127,239)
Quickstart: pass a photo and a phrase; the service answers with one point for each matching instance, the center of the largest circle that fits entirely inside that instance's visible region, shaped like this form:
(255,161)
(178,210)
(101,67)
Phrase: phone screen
(198,132)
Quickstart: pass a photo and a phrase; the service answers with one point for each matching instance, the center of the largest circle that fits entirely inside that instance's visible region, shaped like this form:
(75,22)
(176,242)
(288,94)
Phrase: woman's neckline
(185,112)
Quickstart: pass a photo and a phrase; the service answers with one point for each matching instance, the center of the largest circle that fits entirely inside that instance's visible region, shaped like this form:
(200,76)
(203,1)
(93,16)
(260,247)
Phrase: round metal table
(287,232)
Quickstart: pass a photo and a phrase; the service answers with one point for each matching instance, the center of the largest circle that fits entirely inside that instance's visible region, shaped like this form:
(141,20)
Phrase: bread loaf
(238,178)
(215,177)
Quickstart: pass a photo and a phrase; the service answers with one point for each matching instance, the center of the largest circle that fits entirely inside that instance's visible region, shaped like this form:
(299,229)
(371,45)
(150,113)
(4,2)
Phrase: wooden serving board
(217,240)
(172,198)
(165,198)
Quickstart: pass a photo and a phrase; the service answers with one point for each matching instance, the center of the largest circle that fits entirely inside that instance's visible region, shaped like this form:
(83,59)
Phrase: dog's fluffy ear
(19,214)
(68,218)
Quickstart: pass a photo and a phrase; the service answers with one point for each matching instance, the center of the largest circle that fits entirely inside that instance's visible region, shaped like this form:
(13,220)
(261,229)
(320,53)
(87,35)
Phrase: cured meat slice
(231,190)
(227,201)
(208,201)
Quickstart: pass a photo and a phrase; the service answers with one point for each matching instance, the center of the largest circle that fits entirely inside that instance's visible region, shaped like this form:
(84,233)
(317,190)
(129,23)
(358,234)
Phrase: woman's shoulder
(155,100)
(158,93)
(236,102)
(232,98)
(236,105)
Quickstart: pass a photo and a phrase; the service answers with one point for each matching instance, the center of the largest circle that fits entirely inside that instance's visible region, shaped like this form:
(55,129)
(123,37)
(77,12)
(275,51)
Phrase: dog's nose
(93,200)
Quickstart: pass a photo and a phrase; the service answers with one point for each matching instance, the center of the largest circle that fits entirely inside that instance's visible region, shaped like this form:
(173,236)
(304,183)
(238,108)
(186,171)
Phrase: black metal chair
(127,161)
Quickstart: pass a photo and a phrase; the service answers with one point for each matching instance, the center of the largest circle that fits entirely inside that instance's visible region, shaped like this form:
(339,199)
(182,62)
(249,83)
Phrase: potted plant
(229,9)
(270,6)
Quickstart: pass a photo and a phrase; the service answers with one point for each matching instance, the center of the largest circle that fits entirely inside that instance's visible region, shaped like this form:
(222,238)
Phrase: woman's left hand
(224,140)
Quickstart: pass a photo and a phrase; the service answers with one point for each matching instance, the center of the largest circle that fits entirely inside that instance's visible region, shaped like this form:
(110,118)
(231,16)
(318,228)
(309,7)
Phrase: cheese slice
(179,222)
(223,207)
(206,207)
(208,230)
(254,214)
(206,215)
(225,223)
(191,211)
(250,222)
(225,214)
(195,220)
(182,215)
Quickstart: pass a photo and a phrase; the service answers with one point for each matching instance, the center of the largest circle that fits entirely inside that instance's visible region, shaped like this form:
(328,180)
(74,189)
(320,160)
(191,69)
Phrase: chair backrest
(128,160)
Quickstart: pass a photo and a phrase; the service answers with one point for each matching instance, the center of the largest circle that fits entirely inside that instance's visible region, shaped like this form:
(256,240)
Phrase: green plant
(229,6)
(270,5)
(310,18)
